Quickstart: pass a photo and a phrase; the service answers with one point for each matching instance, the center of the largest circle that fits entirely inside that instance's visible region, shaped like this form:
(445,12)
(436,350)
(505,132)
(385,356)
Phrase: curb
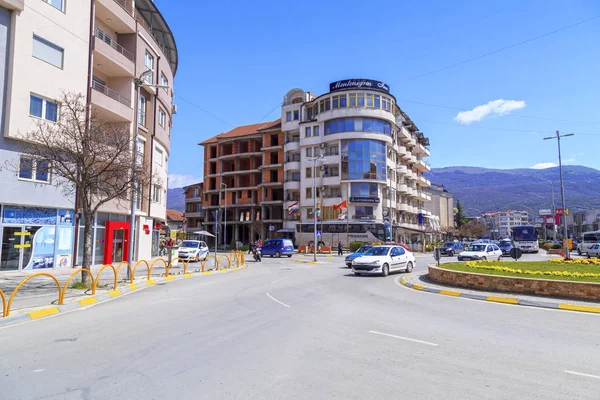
(48,311)
(500,299)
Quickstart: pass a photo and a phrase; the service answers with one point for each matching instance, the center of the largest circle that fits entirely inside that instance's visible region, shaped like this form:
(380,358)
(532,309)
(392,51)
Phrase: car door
(497,251)
(399,258)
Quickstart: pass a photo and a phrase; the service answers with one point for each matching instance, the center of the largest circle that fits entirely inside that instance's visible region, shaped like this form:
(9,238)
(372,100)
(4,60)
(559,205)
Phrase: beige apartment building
(96,48)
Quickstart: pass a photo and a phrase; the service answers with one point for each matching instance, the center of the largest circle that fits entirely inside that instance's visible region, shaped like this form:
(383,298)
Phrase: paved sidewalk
(420,281)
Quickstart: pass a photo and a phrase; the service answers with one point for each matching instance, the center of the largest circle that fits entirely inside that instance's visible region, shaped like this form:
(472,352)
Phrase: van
(278,248)
(588,239)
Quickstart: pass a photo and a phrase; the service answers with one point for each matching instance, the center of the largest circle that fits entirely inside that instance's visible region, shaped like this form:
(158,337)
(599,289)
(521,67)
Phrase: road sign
(516,253)
(437,254)
(319,234)
(217,228)
(271,228)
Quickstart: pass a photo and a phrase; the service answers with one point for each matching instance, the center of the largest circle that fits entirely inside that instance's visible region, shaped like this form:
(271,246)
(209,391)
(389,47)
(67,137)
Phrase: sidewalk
(419,280)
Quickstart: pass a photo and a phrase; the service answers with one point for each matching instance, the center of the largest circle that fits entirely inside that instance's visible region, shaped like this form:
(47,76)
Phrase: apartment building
(95,48)
(500,223)
(441,205)
(243,171)
(194,209)
(354,144)
(583,221)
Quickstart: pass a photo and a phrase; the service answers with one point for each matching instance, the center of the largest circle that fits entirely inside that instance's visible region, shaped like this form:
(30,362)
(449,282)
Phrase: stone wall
(555,288)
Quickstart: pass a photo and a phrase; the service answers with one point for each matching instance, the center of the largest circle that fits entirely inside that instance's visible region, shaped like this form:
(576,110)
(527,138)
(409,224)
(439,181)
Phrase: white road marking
(280,279)
(39,370)
(582,374)
(403,338)
(276,301)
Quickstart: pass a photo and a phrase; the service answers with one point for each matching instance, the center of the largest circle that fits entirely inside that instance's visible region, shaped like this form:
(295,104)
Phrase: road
(288,330)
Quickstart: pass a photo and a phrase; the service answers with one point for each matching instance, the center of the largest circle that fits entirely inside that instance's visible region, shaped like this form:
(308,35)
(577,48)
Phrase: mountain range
(482,189)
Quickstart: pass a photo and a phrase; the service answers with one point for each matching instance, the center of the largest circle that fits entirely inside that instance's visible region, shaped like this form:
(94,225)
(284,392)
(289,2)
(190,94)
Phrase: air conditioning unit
(322,167)
(174,109)
(322,145)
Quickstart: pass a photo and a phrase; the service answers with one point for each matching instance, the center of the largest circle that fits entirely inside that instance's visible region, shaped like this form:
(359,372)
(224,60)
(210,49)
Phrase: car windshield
(477,247)
(189,243)
(364,249)
(377,251)
(449,244)
(505,244)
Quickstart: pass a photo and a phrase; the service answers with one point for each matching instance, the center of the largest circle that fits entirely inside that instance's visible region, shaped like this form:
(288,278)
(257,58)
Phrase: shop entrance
(116,242)
(17,242)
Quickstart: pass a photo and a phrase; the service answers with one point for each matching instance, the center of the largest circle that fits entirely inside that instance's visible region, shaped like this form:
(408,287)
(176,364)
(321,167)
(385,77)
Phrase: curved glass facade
(363,159)
(375,125)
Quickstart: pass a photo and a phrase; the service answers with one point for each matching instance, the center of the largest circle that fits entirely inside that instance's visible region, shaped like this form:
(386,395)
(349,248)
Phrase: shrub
(244,248)
(355,246)
(556,246)
(428,248)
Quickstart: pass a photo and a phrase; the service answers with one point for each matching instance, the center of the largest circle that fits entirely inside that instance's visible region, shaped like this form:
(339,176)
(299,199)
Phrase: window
(309,193)
(249,194)
(357,125)
(142,111)
(296,115)
(339,101)
(196,192)
(47,51)
(332,150)
(307,131)
(149,64)
(164,81)
(360,189)
(332,170)
(386,103)
(156,191)
(43,108)
(141,144)
(317,151)
(37,171)
(370,100)
(159,156)
(309,172)
(330,214)
(377,102)
(288,116)
(162,116)
(138,195)
(316,130)
(353,100)
(58,4)
(362,211)
(309,152)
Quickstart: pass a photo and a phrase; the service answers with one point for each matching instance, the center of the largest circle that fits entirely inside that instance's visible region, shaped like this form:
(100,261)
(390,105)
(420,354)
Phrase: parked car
(506,246)
(353,256)
(588,239)
(278,248)
(193,250)
(481,252)
(451,248)
(384,259)
(594,251)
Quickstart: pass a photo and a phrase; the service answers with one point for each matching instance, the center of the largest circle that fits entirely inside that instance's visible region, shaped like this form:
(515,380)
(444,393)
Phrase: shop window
(34,170)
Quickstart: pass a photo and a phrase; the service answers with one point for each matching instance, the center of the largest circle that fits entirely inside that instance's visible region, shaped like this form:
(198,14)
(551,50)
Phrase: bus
(526,238)
(588,239)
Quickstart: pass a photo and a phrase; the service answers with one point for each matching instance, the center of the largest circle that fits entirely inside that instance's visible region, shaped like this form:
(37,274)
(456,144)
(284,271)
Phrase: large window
(43,108)
(156,193)
(339,101)
(357,125)
(47,51)
(149,64)
(365,159)
(363,211)
(33,170)
(363,189)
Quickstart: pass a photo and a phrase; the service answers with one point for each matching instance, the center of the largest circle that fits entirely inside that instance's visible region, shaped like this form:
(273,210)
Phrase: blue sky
(238,59)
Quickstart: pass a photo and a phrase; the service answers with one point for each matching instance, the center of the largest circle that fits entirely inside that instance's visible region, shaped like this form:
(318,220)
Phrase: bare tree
(87,157)
(473,229)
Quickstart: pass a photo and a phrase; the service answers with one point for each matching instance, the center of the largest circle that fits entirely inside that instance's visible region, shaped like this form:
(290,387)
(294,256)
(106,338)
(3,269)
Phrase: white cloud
(543,165)
(177,181)
(569,160)
(495,108)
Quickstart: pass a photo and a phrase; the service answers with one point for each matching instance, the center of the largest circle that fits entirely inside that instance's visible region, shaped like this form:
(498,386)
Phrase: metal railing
(126,5)
(100,34)
(110,93)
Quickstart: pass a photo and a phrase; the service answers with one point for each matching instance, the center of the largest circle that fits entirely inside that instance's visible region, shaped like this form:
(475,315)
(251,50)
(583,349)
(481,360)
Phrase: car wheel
(484,258)
(588,255)
(289,256)
(451,254)
(409,266)
(385,270)
(579,251)
(277,254)
(357,273)
(500,258)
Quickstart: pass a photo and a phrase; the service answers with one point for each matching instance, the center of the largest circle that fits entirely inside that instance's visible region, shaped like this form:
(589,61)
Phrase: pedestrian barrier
(234,260)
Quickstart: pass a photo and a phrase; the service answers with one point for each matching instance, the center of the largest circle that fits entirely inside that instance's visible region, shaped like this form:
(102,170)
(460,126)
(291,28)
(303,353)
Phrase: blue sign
(366,84)
(319,234)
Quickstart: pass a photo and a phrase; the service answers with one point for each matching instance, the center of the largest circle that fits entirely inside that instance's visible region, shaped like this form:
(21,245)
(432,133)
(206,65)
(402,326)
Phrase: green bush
(244,248)
(556,246)
(355,246)
(428,248)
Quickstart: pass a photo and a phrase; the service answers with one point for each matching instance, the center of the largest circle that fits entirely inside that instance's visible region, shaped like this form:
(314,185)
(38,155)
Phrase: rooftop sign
(368,84)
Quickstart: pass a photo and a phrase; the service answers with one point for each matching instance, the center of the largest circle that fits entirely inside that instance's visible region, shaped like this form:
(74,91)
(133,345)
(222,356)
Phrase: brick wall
(555,288)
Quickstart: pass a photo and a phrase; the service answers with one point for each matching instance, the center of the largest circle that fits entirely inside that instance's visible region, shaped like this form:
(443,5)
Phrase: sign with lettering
(364,199)
(367,84)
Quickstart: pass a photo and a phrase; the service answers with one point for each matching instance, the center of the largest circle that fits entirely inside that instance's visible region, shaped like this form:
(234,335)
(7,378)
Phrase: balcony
(291,185)
(410,191)
(292,145)
(402,188)
(274,147)
(330,180)
(195,214)
(271,184)
(292,166)
(193,199)
(401,149)
(110,105)
(422,166)
(241,171)
(421,180)
(118,14)
(402,207)
(110,57)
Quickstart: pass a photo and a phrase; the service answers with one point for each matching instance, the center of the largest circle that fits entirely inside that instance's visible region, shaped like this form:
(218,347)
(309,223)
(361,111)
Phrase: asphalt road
(286,330)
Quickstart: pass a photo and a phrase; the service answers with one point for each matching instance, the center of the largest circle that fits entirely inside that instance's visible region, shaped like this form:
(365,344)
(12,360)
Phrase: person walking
(250,247)
(340,249)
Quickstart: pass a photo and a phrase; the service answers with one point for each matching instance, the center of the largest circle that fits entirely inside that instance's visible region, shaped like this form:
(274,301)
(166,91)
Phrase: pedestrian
(250,247)
(340,249)
(259,242)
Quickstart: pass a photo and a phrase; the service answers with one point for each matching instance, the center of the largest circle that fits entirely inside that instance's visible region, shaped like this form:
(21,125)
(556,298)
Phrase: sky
(237,59)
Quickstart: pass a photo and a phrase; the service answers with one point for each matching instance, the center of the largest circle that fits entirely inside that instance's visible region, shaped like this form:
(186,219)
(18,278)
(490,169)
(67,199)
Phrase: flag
(341,205)
(293,209)
(343,215)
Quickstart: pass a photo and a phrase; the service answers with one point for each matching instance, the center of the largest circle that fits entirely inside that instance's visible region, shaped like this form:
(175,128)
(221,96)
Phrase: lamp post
(562,191)
(396,168)
(551,182)
(314,161)
(225,217)
(138,82)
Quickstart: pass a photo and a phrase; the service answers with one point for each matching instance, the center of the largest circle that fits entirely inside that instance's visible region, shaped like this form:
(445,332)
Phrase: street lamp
(138,82)
(396,168)
(562,190)
(314,161)
(225,217)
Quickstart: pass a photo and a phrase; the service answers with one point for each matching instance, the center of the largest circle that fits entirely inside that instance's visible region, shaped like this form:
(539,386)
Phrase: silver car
(594,251)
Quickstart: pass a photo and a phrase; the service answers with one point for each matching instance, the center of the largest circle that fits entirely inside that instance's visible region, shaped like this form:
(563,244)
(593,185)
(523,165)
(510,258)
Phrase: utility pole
(562,192)
(225,217)
(314,160)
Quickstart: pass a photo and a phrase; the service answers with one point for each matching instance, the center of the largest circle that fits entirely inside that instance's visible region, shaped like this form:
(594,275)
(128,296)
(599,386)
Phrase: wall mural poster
(29,215)
(66,217)
(41,252)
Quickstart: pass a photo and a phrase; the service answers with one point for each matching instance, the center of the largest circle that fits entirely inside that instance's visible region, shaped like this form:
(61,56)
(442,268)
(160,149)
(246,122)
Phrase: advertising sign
(359,84)
(364,199)
(545,211)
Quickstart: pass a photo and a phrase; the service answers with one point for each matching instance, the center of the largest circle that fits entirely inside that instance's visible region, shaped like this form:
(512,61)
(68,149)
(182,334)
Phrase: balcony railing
(126,5)
(100,34)
(110,93)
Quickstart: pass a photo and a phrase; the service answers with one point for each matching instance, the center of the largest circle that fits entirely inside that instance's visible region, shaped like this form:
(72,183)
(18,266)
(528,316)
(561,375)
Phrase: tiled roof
(174,215)
(244,130)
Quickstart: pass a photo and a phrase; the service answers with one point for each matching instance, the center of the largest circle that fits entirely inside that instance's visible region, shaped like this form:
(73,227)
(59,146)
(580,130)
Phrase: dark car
(506,246)
(360,252)
(451,248)
(278,248)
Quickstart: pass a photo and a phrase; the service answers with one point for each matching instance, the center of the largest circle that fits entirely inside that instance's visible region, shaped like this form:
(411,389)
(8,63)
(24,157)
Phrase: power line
(502,129)
(203,110)
(269,113)
(501,49)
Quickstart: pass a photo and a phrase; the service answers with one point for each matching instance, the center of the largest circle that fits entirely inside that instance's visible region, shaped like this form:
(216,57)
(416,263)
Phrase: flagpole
(347,218)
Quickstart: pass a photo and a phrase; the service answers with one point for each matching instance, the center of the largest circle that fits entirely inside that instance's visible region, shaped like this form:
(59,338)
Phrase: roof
(244,130)
(155,23)
(200,184)
(174,215)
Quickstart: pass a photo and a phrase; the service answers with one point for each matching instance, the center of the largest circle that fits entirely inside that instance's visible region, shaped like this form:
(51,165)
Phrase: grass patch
(532,266)
(80,286)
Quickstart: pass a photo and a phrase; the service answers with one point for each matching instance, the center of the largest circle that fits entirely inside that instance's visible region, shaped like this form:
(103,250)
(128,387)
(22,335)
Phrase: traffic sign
(437,254)
(516,253)
(271,228)
(217,228)
(319,234)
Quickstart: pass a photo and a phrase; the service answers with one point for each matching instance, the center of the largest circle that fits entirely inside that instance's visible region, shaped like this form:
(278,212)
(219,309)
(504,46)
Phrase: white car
(193,250)
(382,260)
(593,251)
(481,252)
